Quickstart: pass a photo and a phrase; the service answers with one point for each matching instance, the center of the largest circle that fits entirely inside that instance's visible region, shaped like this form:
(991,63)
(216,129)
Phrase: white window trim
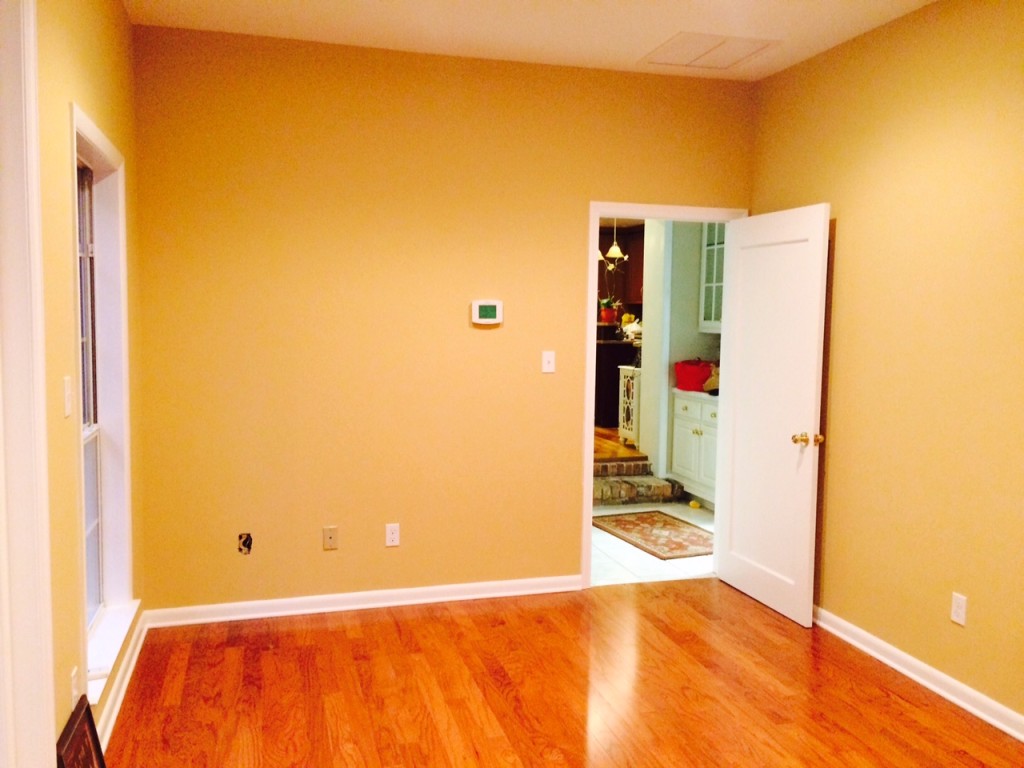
(109,631)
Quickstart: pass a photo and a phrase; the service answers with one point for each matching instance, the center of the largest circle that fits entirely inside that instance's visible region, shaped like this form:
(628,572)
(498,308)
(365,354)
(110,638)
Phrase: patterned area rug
(658,534)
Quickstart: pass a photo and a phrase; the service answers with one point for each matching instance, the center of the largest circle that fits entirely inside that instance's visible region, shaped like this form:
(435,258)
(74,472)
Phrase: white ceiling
(725,39)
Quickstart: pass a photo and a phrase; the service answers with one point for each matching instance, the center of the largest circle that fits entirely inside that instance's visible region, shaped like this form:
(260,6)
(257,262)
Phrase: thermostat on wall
(487,312)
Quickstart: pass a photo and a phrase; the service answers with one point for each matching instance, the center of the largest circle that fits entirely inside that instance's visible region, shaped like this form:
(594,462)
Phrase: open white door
(773,319)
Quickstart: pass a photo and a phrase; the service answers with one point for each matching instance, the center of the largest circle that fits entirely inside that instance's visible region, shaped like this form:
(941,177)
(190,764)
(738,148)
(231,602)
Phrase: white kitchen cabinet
(694,442)
(712,271)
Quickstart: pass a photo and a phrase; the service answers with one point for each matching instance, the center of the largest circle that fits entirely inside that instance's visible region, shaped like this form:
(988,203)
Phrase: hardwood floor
(671,674)
(608,447)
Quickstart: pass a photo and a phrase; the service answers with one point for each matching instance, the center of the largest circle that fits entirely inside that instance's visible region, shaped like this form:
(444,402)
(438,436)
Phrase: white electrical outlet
(330,537)
(391,535)
(959,611)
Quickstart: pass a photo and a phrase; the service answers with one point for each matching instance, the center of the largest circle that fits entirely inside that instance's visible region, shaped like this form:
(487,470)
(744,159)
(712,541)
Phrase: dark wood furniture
(626,283)
(79,744)
(610,355)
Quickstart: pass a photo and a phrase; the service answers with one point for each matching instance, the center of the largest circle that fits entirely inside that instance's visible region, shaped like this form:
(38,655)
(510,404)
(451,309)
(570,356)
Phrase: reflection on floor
(613,561)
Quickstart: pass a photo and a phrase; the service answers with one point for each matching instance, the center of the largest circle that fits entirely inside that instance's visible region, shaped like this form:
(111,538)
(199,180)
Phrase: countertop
(702,395)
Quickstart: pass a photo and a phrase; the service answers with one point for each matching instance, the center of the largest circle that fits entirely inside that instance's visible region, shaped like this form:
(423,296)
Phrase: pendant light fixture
(615,254)
(609,304)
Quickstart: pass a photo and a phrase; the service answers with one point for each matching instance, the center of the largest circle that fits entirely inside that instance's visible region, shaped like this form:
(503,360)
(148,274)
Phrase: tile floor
(613,561)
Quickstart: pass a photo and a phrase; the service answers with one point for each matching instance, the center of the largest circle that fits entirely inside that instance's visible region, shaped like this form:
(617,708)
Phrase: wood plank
(663,675)
(608,447)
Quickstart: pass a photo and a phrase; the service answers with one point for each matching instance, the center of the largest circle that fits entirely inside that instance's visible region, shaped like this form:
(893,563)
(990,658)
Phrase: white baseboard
(292,606)
(349,601)
(989,710)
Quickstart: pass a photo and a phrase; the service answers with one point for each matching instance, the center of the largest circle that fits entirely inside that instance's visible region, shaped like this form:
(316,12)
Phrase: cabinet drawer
(709,413)
(686,409)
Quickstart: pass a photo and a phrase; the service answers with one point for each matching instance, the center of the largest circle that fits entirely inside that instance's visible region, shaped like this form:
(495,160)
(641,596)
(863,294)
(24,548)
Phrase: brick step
(637,489)
(619,468)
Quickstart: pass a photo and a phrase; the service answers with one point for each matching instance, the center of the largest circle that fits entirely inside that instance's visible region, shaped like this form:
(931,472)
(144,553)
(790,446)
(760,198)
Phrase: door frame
(607,210)
(27,709)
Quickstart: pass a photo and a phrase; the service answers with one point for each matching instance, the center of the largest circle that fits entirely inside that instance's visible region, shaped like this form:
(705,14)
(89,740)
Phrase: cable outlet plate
(958,613)
(391,535)
(330,537)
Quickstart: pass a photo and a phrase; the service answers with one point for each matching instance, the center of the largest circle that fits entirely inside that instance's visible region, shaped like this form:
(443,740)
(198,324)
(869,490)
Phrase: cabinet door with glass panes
(712,268)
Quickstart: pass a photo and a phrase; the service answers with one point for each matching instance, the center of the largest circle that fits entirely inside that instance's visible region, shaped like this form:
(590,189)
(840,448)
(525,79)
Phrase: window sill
(106,639)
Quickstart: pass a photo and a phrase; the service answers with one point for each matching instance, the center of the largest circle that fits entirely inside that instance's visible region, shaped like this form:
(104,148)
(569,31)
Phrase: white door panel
(772,337)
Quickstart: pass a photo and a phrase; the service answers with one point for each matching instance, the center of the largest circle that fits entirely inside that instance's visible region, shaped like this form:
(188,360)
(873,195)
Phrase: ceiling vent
(689,49)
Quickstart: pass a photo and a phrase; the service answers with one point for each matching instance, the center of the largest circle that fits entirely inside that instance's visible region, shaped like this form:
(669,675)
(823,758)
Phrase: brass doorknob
(804,439)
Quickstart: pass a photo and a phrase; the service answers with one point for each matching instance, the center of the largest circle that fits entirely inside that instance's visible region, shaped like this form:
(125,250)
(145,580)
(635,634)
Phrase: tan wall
(85,58)
(315,221)
(913,133)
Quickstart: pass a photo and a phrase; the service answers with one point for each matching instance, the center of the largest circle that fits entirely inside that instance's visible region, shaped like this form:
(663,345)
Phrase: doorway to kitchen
(605,558)
(774,334)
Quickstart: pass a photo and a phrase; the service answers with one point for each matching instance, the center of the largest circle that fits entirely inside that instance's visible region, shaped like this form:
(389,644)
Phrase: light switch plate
(958,613)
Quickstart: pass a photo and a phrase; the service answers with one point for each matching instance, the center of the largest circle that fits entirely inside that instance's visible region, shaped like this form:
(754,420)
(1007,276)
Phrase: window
(90,411)
(87,295)
(110,606)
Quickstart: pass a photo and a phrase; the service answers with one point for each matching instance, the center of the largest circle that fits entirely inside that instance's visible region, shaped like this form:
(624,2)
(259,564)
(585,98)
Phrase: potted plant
(609,309)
